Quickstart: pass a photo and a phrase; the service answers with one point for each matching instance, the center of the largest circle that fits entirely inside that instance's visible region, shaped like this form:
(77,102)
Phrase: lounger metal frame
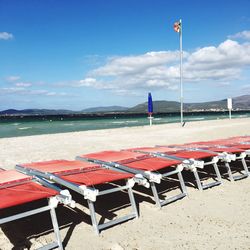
(152,177)
(64,197)
(227,158)
(192,165)
(240,157)
(90,194)
(246,151)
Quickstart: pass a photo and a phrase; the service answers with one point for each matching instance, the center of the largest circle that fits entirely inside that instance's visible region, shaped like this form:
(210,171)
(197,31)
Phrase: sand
(217,218)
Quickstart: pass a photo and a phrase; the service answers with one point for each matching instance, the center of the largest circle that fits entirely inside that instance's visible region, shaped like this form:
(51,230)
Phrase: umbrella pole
(181,84)
(150,120)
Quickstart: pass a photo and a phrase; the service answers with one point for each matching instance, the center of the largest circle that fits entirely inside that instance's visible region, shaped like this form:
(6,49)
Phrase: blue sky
(62,54)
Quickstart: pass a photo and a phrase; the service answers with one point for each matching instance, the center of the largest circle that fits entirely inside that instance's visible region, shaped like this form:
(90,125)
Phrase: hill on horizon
(239,103)
(105,109)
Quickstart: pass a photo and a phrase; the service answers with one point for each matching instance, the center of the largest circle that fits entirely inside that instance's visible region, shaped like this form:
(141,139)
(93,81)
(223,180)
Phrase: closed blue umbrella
(150,104)
(150,108)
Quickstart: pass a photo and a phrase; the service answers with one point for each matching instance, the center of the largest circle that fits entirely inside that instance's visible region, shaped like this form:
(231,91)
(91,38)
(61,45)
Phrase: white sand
(217,218)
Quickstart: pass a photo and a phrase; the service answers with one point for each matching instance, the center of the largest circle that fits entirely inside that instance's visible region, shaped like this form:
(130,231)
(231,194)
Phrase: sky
(60,54)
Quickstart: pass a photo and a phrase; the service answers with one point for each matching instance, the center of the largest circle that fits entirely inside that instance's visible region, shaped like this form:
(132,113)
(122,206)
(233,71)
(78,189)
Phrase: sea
(27,126)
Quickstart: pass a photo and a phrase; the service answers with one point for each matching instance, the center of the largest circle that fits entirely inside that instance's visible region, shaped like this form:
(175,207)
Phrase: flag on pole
(178,29)
(177,26)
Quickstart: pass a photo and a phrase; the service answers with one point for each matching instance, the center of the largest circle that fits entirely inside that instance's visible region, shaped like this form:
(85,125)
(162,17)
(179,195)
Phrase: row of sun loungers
(104,173)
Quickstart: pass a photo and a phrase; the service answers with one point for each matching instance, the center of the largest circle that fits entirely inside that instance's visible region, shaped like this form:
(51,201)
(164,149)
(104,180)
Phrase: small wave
(124,122)
(196,119)
(68,124)
(16,124)
(157,119)
(24,128)
(131,121)
(118,122)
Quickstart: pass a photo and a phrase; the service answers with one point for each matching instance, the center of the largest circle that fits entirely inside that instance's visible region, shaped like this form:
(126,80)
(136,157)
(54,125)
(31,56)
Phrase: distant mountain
(36,112)
(104,109)
(61,111)
(159,106)
(239,103)
(215,105)
(242,102)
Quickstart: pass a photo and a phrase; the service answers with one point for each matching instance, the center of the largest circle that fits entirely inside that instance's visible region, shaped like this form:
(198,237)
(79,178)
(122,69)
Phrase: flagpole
(181,85)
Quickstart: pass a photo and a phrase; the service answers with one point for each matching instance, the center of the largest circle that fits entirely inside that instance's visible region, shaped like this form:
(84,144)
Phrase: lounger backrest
(12,177)
(121,157)
(62,167)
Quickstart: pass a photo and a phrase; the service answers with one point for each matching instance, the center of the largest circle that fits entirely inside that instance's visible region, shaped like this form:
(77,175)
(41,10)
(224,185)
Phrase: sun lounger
(17,189)
(237,142)
(240,143)
(240,138)
(86,179)
(191,160)
(142,165)
(226,155)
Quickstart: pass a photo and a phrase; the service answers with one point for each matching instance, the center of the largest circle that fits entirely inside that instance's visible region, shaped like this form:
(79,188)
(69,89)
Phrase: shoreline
(213,218)
(70,144)
(39,125)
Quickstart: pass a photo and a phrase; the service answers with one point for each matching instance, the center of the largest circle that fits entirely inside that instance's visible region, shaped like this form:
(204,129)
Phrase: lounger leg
(217,172)
(197,178)
(231,178)
(155,194)
(132,201)
(245,166)
(182,183)
(93,216)
(56,228)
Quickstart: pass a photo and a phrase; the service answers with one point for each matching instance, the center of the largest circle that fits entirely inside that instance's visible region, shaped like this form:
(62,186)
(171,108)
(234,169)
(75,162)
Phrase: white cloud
(229,54)
(44,92)
(124,92)
(23,84)
(51,93)
(241,35)
(246,88)
(11,90)
(12,78)
(29,92)
(223,63)
(120,66)
(157,70)
(6,36)
(91,82)
(87,82)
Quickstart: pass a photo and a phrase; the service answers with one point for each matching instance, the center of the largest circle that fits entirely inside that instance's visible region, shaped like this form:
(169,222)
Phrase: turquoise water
(36,126)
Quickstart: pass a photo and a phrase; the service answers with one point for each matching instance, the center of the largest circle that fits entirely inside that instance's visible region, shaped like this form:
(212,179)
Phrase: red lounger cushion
(178,152)
(61,167)
(232,150)
(217,148)
(83,173)
(17,188)
(242,146)
(237,143)
(197,155)
(153,164)
(116,156)
(133,159)
(96,177)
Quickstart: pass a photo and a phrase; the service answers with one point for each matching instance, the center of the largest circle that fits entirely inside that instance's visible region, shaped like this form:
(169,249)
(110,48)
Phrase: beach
(217,218)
